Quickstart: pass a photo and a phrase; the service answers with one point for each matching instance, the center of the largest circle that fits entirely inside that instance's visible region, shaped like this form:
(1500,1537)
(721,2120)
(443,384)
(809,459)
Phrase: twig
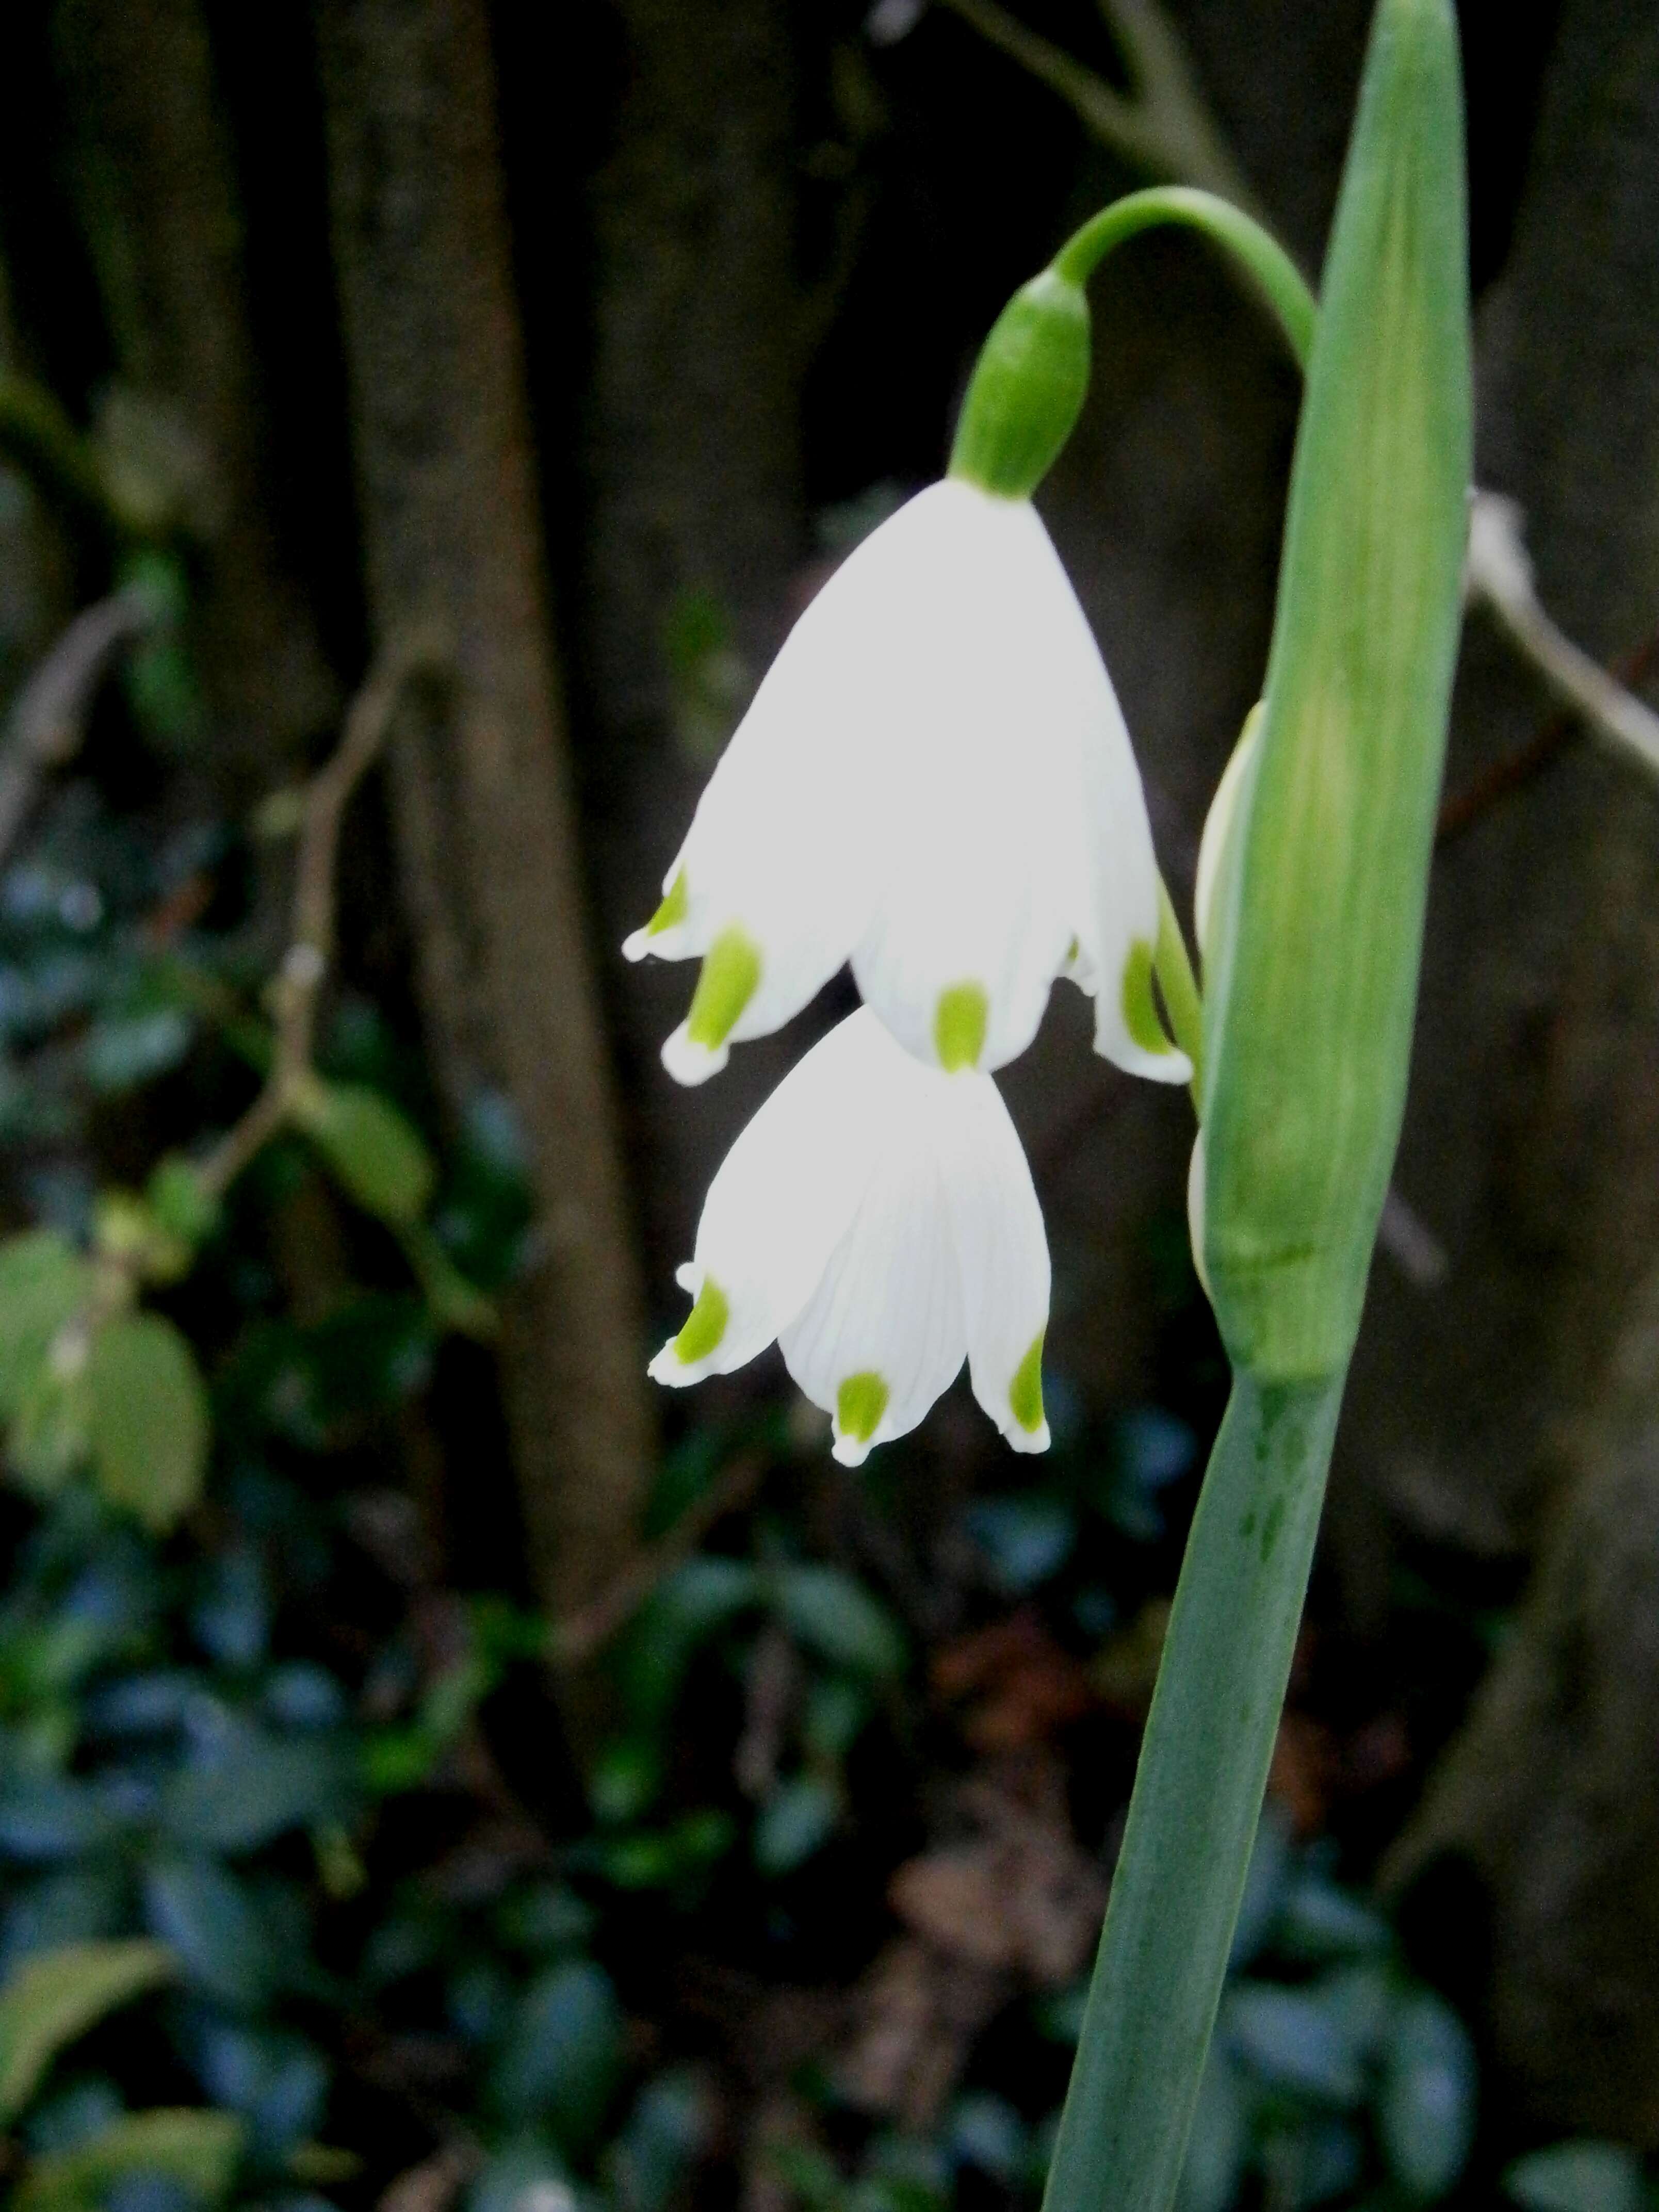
(1500,577)
(1165,127)
(1162,126)
(1462,809)
(576,1639)
(306,963)
(49,718)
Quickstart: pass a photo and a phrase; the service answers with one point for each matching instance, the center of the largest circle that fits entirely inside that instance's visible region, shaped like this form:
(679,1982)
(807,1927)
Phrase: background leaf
(562,2053)
(198,2149)
(149,1418)
(44,1283)
(1577,2177)
(58,1994)
(1425,2113)
(374,1152)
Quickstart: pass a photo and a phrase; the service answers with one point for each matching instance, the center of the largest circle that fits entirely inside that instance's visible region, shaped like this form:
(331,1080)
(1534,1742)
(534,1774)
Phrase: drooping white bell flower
(934,781)
(876,1217)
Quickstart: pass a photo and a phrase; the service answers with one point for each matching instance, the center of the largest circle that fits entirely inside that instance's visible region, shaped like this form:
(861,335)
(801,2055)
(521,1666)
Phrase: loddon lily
(933,781)
(876,1217)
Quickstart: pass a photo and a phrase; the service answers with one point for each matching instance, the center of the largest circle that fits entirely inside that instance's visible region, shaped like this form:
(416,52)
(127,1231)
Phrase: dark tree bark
(480,787)
(1504,1410)
(1552,1791)
(1532,1145)
(693,458)
(34,580)
(159,201)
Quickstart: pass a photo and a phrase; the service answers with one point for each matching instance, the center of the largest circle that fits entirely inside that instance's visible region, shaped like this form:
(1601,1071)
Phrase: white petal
(934,778)
(883,1335)
(781,846)
(996,1225)
(1015,843)
(1118,934)
(1218,826)
(879,1218)
(978,886)
(782,1200)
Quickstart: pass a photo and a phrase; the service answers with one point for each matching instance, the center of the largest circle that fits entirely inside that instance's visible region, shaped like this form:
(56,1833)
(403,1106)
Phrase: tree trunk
(693,455)
(156,182)
(480,786)
(1532,1141)
(1552,1790)
(1533,1149)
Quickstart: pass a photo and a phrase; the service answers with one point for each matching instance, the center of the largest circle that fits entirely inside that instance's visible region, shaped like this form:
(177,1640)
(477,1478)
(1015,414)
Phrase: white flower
(876,1217)
(934,781)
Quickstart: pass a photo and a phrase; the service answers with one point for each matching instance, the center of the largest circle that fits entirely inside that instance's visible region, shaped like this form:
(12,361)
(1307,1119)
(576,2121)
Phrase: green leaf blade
(374,1152)
(57,1996)
(149,1418)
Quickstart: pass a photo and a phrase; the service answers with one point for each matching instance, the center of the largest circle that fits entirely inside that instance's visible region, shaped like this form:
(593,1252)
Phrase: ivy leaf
(837,1620)
(198,2149)
(562,2054)
(149,1418)
(249,1787)
(44,1283)
(688,1607)
(1426,2114)
(57,1996)
(202,1913)
(1577,2177)
(796,1821)
(374,1152)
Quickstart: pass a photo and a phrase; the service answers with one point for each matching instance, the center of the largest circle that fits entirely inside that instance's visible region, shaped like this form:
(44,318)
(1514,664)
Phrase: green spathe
(1318,920)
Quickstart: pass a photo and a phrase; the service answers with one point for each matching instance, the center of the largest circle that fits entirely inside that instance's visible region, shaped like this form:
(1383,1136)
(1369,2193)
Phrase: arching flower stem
(1273,273)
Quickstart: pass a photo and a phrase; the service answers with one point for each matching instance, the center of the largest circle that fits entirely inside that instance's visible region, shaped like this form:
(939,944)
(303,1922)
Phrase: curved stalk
(1264,260)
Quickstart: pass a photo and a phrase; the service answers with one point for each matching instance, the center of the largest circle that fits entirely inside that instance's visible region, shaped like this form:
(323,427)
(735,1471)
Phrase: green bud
(1319,910)
(1027,389)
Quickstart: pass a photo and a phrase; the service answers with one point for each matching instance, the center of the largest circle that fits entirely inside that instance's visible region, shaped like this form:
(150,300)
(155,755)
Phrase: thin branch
(1166,128)
(1462,809)
(49,717)
(306,963)
(1161,70)
(576,1639)
(1499,577)
(1163,127)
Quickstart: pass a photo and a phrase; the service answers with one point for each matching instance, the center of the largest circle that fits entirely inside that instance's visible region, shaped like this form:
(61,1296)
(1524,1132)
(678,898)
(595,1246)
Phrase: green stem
(1172,965)
(1275,274)
(1197,1800)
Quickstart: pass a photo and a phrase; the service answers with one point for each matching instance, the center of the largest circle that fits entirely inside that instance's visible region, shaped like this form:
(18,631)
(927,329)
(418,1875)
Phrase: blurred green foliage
(277,1921)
